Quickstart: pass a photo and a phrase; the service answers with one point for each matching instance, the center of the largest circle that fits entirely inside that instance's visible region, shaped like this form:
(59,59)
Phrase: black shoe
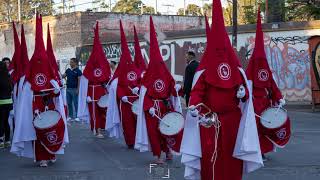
(130,146)
(264,158)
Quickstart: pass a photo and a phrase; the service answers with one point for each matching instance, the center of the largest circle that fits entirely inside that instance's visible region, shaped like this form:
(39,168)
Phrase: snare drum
(276,125)
(171,124)
(50,127)
(103,101)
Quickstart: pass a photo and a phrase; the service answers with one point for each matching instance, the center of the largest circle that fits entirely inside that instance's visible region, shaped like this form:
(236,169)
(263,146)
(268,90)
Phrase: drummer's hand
(193,111)
(241,92)
(125,99)
(177,87)
(152,111)
(56,90)
(282,102)
(135,90)
(37,112)
(89,100)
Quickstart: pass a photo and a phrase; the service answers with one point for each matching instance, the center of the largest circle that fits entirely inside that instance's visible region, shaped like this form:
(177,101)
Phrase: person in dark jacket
(5,105)
(192,65)
(7,61)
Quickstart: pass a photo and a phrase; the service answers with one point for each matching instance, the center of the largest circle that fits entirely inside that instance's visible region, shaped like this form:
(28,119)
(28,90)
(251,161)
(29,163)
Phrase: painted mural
(289,60)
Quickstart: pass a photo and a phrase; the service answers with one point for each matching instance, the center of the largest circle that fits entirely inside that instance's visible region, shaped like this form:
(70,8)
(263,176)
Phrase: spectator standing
(7,61)
(73,77)
(5,105)
(192,65)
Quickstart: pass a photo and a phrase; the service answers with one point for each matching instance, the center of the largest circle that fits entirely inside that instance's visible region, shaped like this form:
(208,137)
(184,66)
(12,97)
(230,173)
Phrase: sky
(162,8)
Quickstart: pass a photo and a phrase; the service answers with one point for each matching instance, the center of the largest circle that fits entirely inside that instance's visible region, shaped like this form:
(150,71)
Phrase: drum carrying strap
(217,126)
(156,105)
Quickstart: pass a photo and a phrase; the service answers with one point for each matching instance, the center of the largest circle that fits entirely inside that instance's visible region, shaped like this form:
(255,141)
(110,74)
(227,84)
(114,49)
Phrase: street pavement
(88,158)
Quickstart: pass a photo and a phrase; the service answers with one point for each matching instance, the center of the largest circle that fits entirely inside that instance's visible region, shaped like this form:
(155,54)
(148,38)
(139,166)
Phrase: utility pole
(19,10)
(234,23)
(110,9)
(156,7)
(266,11)
(63,5)
(184,7)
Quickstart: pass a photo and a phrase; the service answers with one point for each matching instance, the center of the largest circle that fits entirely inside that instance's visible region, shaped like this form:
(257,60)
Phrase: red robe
(224,102)
(128,118)
(264,98)
(97,114)
(159,142)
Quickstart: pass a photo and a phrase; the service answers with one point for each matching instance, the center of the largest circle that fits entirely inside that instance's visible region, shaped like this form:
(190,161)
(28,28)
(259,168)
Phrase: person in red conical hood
(52,58)
(40,94)
(39,72)
(157,79)
(129,77)
(265,93)
(204,58)
(219,88)
(138,58)
(15,63)
(223,68)
(158,86)
(97,69)
(98,74)
(24,53)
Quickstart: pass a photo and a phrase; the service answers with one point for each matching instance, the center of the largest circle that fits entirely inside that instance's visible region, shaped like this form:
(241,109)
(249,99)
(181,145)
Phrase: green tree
(298,10)
(227,14)
(148,10)
(247,11)
(191,10)
(128,6)
(207,9)
(100,5)
(276,11)
(43,7)
(8,9)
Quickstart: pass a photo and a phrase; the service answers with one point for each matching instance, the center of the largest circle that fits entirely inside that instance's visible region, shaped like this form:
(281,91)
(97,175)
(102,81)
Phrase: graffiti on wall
(289,61)
(173,53)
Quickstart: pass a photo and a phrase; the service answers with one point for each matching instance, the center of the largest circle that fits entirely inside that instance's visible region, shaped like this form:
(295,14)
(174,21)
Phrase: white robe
(142,139)
(24,133)
(83,110)
(113,125)
(247,146)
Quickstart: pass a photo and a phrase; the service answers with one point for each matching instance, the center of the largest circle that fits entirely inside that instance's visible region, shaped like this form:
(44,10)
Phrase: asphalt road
(88,158)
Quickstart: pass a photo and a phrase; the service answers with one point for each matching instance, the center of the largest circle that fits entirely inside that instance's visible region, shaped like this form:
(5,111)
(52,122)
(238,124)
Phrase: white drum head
(273,117)
(47,119)
(103,101)
(171,124)
(135,107)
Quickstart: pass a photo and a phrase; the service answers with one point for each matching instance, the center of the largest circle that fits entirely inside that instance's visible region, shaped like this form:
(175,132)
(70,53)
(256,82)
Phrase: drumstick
(161,120)
(51,89)
(263,119)
(279,106)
